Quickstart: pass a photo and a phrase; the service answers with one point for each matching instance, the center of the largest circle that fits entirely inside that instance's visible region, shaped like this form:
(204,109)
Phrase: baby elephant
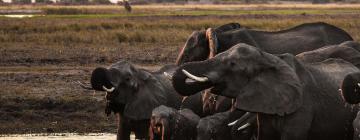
(171,124)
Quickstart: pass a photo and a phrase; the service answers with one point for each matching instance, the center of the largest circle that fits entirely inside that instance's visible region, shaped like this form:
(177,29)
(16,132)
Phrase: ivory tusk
(233,123)
(243,127)
(168,76)
(358,84)
(84,86)
(196,78)
(108,90)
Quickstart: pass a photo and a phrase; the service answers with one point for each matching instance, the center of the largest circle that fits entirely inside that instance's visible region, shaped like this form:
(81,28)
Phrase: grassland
(40,57)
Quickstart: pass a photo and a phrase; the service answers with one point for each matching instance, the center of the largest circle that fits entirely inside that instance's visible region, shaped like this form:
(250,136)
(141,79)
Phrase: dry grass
(41,56)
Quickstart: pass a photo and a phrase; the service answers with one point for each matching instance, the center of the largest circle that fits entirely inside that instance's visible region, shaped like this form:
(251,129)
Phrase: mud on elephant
(292,99)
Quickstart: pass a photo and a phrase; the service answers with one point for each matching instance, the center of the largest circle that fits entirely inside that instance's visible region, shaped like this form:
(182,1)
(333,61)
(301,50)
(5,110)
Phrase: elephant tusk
(358,84)
(233,123)
(243,127)
(108,90)
(196,78)
(168,76)
(84,86)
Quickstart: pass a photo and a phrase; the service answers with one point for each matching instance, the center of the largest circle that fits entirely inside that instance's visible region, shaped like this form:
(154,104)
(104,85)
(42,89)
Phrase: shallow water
(61,136)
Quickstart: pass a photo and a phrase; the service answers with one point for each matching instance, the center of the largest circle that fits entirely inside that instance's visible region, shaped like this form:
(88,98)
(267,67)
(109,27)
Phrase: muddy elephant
(217,127)
(292,99)
(305,37)
(133,93)
(348,51)
(171,124)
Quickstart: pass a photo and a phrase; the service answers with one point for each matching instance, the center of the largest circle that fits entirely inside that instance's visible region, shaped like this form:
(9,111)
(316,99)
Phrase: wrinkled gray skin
(137,92)
(348,51)
(302,38)
(215,127)
(293,100)
(171,124)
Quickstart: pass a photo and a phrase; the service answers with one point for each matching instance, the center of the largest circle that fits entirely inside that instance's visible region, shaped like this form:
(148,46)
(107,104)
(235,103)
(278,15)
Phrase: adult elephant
(348,51)
(133,93)
(292,100)
(305,37)
(350,90)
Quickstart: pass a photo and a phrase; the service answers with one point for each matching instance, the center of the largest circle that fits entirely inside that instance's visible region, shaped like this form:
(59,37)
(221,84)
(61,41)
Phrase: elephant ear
(149,95)
(275,89)
(227,27)
(99,78)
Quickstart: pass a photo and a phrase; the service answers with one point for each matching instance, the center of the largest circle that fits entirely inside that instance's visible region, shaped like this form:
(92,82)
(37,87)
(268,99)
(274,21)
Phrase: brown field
(40,57)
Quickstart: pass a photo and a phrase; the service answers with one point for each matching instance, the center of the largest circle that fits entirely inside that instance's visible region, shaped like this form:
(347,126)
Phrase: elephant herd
(236,83)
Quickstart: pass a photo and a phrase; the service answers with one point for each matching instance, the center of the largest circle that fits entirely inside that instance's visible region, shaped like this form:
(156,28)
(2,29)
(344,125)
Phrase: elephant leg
(123,132)
(141,129)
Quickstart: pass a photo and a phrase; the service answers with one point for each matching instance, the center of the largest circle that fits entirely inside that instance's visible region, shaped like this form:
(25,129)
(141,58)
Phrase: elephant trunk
(350,88)
(183,73)
(100,80)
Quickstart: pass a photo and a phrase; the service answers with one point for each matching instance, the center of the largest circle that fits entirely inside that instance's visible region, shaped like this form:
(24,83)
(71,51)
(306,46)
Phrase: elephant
(171,124)
(292,99)
(244,128)
(348,51)
(202,45)
(133,93)
(215,104)
(215,127)
(350,88)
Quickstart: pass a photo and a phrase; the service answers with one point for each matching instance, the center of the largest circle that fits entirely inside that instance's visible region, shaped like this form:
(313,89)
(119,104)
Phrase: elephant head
(214,127)
(203,44)
(160,123)
(136,89)
(260,82)
(350,88)
(213,103)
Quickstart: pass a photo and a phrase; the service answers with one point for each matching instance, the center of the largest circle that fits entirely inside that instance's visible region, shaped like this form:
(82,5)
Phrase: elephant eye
(232,64)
